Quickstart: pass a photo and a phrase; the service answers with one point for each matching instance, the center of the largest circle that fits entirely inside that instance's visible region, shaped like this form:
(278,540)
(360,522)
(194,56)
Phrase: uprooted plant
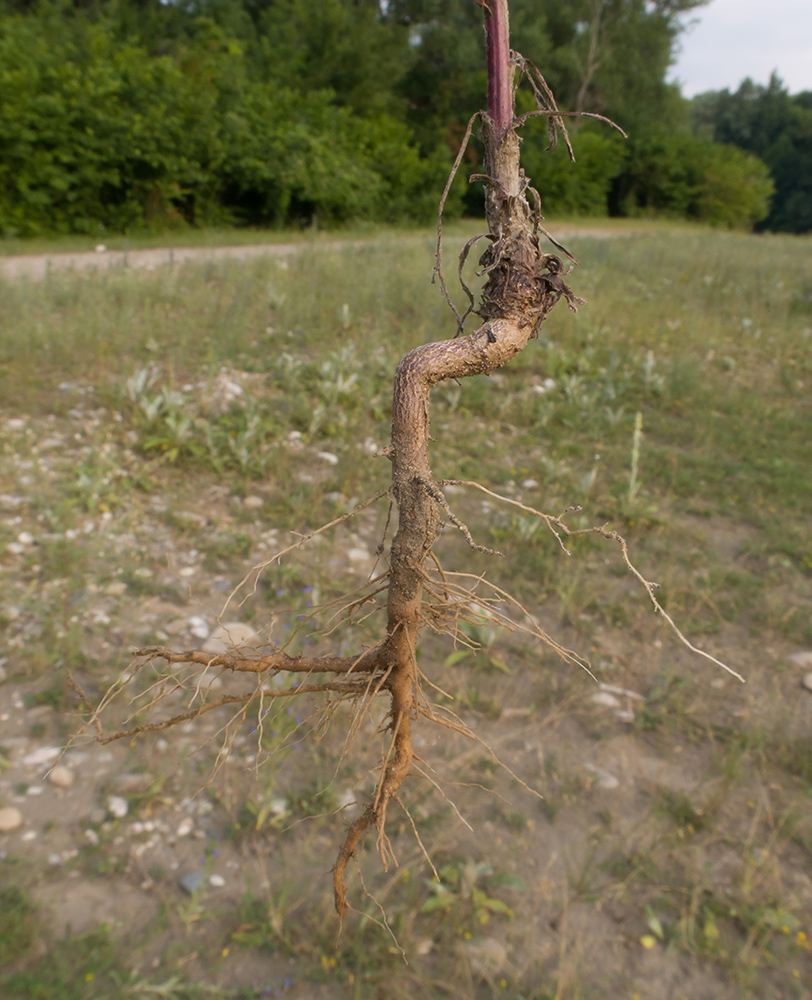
(523,282)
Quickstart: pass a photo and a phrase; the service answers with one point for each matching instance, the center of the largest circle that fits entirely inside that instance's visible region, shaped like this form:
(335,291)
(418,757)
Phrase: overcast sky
(733,39)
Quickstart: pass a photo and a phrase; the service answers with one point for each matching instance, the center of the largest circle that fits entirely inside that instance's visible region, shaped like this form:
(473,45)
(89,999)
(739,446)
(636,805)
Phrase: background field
(670,854)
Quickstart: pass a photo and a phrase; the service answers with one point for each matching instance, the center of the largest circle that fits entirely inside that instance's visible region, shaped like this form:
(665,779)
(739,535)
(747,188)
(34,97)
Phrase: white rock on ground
(40,756)
(199,627)
(10,819)
(604,778)
(118,806)
(606,699)
(231,635)
(358,555)
(802,659)
(253,503)
(61,776)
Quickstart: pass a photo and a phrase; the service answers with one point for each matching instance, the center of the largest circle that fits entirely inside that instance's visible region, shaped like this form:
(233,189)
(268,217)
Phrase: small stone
(327,456)
(15,548)
(92,838)
(529,484)
(35,790)
(10,819)
(358,555)
(625,715)
(54,859)
(131,783)
(61,776)
(217,881)
(606,699)
(199,627)
(253,503)
(116,589)
(29,835)
(187,572)
(100,248)
(808,682)
(621,692)
(185,827)
(118,806)
(25,538)
(43,755)
(192,881)
(232,635)
(604,778)
(802,659)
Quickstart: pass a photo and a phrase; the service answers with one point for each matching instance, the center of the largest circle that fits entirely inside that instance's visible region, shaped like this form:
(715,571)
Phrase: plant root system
(523,282)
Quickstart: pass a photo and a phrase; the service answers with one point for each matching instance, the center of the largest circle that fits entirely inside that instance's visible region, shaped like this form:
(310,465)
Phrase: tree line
(126,115)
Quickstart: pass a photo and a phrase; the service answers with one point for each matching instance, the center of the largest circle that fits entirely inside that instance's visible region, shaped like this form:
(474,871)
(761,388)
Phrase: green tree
(776,127)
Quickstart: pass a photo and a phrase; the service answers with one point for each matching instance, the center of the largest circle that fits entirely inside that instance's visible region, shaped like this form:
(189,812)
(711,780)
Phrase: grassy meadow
(161,432)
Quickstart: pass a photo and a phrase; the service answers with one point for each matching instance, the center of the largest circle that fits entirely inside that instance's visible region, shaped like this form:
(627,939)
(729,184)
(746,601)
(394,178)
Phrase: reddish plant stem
(500,76)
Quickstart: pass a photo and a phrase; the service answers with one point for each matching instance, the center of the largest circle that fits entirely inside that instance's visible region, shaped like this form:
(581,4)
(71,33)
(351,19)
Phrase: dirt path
(36,267)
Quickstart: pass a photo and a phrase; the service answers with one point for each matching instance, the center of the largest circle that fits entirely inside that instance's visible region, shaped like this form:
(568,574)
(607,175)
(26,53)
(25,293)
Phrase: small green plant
(459,893)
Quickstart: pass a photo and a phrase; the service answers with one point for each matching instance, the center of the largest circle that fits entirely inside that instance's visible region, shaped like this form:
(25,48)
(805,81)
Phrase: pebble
(327,456)
(118,806)
(10,819)
(187,572)
(131,783)
(217,881)
(192,881)
(199,627)
(529,484)
(35,790)
(605,779)
(802,659)
(116,589)
(92,837)
(29,835)
(808,682)
(358,555)
(623,692)
(253,503)
(43,755)
(605,698)
(185,827)
(61,776)
(232,635)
